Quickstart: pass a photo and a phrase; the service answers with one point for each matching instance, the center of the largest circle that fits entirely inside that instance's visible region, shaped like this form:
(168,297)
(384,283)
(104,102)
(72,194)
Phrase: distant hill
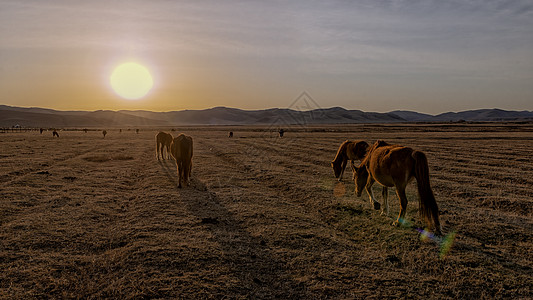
(412,116)
(485,115)
(41,117)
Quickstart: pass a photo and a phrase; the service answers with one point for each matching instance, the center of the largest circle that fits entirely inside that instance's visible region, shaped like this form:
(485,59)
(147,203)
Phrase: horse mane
(377,144)
(342,149)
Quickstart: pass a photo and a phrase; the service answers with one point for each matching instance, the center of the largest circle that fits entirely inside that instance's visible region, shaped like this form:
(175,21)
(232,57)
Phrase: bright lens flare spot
(131,81)
(445,243)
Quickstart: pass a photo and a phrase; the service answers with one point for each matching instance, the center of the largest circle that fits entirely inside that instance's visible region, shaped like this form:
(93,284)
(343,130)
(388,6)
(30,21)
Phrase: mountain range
(41,117)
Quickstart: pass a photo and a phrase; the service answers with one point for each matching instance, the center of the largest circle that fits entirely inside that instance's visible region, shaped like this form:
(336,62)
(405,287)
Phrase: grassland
(86,217)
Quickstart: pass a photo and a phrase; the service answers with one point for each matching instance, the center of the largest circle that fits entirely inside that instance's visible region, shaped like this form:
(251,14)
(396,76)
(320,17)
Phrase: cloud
(294,42)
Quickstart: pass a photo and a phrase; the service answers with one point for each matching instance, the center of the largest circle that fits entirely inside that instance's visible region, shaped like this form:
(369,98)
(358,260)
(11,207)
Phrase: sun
(131,81)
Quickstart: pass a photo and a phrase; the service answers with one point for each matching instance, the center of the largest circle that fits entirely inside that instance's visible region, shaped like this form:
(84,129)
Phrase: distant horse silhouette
(181,150)
(348,151)
(41,130)
(281,132)
(137,131)
(163,140)
(104,133)
(54,134)
(394,165)
(230,134)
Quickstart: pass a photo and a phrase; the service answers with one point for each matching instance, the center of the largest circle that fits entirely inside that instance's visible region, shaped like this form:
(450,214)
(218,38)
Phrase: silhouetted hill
(484,115)
(41,117)
(233,116)
(412,116)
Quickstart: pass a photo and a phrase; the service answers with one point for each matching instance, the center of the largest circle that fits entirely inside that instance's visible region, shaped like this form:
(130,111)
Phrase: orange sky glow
(380,56)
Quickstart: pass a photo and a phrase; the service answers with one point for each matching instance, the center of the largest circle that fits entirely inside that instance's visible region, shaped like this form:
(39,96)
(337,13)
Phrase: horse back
(391,164)
(164,138)
(181,147)
(356,150)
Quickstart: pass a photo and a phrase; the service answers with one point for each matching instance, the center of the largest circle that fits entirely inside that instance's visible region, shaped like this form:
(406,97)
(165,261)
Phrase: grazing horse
(54,133)
(348,150)
(394,165)
(104,133)
(162,141)
(281,132)
(230,134)
(181,150)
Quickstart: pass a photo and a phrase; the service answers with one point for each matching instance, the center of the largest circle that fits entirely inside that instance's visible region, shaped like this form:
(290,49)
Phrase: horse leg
(354,170)
(180,172)
(385,194)
(343,166)
(187,174)
(400,191)
(370,193)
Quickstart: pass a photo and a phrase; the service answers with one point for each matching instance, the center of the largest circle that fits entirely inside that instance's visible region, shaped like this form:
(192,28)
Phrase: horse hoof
(377,206)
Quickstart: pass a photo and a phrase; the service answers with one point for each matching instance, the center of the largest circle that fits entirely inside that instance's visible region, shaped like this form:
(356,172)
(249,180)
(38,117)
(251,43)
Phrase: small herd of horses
(181,150)
(389,165)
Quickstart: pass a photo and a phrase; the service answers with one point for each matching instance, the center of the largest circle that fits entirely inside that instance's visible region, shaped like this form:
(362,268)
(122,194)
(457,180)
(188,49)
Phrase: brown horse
(394,165)
(348,150)
(104,133)
(162,141)
(181,150)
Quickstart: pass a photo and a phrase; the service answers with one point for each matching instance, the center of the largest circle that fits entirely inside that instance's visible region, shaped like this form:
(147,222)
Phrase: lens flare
(445,243)
(339,190)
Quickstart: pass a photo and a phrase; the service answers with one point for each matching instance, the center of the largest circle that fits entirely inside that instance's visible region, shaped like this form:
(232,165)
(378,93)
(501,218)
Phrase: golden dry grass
(82,216)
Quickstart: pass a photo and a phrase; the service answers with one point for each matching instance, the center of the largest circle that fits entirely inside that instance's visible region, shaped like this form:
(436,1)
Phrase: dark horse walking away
(181,150)
(348,151)
(394,165)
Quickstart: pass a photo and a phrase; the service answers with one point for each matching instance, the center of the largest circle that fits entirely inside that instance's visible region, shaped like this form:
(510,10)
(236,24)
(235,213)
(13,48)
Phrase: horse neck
(340,154)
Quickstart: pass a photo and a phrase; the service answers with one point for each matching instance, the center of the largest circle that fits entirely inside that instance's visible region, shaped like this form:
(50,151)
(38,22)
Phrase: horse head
(337,168)
(361,178)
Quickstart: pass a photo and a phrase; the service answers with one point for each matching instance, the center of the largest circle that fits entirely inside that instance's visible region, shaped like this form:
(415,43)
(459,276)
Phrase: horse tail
(427,204)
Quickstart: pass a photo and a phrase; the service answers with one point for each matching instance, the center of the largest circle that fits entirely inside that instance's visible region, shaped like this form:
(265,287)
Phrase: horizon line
(281,108)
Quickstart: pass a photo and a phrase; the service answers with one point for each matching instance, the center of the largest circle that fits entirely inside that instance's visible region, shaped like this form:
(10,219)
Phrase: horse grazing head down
(337,169)
(361,178)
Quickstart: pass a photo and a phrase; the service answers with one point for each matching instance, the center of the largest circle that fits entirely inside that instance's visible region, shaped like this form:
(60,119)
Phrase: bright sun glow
(131,81)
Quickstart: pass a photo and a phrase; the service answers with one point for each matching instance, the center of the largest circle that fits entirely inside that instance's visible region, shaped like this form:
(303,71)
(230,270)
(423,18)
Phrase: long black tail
(429,209)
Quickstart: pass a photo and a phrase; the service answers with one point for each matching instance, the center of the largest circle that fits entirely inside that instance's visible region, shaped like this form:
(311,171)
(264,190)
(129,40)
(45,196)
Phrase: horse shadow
(252,262)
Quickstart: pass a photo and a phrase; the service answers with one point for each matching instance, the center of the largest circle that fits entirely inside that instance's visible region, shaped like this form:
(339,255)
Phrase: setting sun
(131,81)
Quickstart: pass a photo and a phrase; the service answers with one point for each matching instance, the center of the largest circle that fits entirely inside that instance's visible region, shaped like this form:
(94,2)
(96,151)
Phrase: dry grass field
(82,216)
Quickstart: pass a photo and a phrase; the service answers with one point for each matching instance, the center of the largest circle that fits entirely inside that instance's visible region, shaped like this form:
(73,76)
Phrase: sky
(430,56)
